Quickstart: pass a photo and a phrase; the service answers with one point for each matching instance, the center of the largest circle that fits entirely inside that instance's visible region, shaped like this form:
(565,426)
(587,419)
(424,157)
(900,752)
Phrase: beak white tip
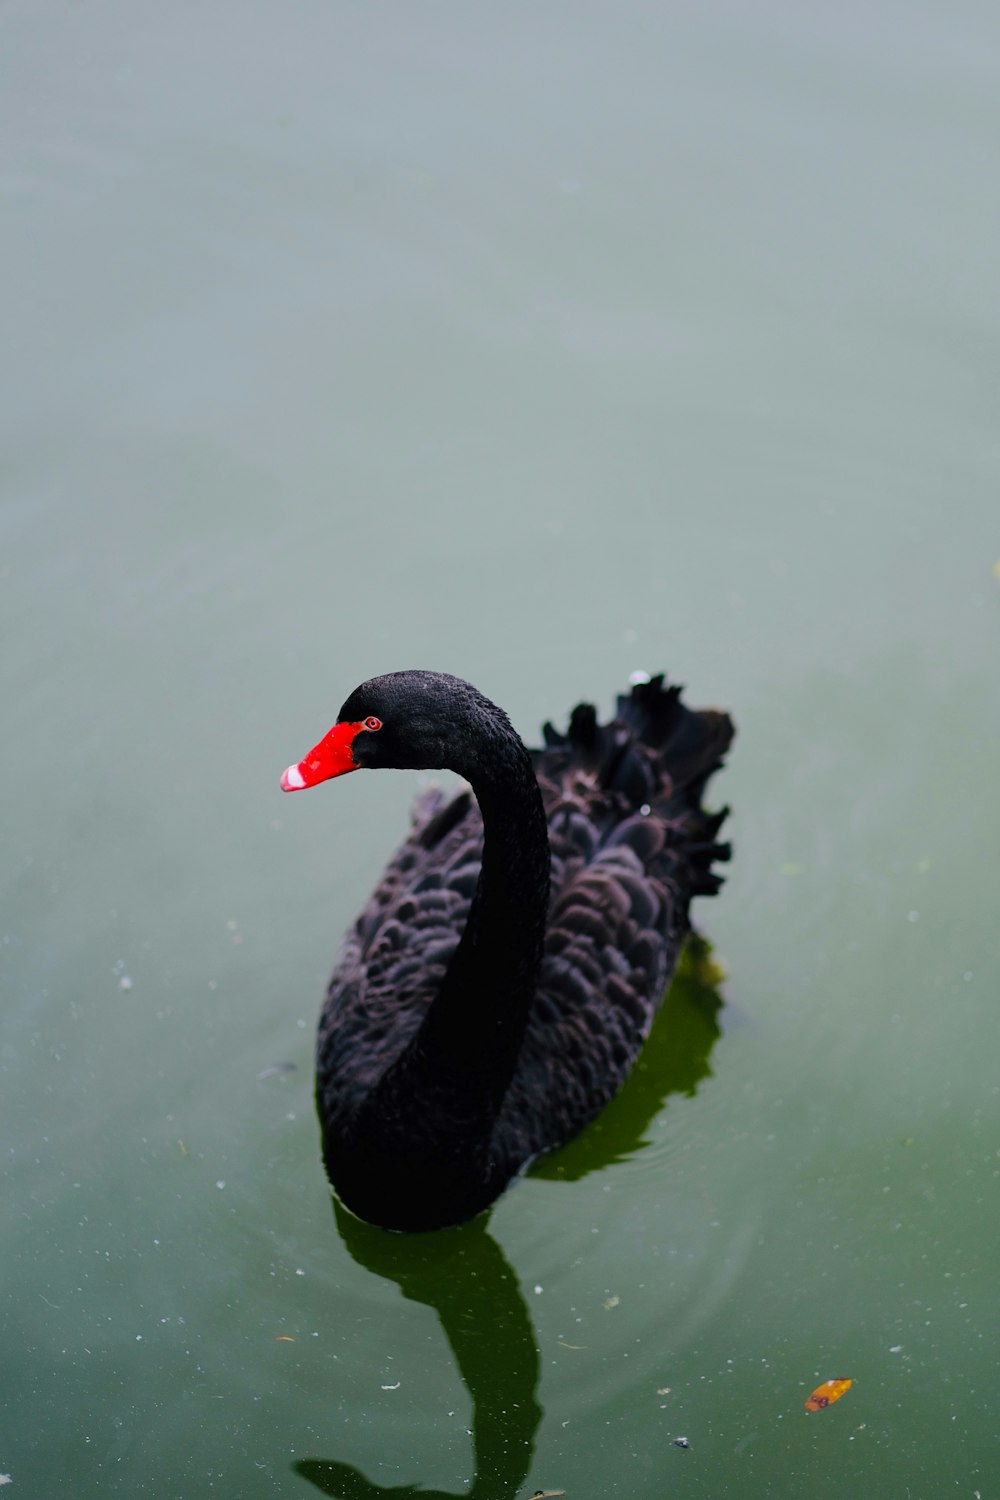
(292,780)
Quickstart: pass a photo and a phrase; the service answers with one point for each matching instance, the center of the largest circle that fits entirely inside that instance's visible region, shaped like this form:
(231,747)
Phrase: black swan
(494,993)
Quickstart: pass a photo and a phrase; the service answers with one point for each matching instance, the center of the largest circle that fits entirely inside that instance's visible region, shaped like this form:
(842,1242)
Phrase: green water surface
(538,343)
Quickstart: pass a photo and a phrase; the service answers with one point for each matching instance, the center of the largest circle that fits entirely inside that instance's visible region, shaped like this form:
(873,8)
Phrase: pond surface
(538,344)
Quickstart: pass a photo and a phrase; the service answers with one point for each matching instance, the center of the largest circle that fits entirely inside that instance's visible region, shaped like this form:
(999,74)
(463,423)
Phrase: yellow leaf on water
(826,1394)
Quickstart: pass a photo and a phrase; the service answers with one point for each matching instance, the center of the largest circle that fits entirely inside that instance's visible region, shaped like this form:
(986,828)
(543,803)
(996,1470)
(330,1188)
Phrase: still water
(535,343)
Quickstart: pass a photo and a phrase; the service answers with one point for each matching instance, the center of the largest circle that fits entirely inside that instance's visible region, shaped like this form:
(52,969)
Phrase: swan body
(494,993)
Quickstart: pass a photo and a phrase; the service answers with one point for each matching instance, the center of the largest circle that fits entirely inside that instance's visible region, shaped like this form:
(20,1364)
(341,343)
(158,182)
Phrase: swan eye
(372,724)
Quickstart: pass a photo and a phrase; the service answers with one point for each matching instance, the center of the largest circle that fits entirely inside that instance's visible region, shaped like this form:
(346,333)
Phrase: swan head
(412,720)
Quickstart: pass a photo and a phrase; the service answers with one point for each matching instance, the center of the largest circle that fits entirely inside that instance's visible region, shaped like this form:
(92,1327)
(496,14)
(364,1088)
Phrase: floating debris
(611,1302)
(283,1338)
(278,1070)
(681,1442)
(826,1394)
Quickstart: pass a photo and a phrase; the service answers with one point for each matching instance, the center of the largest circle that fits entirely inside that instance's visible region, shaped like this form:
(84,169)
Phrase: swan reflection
(463,1274)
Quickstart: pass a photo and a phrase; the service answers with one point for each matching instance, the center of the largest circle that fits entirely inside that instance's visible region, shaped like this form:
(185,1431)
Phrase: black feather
(444,1062)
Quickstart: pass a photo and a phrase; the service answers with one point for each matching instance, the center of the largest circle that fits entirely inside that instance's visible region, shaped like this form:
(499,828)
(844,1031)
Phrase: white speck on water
(220,1185)
(637,679)
(138,1338)
(393,1387)
(896,1349)
(124,982)
(538,1290)
(912,916)
(300,1273)
(967,975)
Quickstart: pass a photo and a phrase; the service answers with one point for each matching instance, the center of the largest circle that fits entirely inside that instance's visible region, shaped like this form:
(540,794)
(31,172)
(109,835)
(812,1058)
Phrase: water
(535,344)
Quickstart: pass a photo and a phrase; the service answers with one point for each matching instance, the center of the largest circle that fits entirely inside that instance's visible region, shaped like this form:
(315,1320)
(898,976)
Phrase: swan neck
(480,1013)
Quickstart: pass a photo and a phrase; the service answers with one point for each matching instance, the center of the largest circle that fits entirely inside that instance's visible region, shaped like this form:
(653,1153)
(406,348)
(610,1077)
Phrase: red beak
(331,757)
